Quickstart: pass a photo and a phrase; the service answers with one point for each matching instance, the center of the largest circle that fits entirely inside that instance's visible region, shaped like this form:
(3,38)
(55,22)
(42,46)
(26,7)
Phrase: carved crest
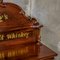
(3,17)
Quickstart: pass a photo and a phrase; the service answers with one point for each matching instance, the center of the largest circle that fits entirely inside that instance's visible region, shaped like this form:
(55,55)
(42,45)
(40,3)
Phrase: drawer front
(21,34)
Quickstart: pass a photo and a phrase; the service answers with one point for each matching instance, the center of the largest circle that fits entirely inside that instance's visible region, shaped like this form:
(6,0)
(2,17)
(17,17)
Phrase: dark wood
(15,18)
(16,27)
(22,51)
(42,53)
(33,51)
(19,34)
(1,1)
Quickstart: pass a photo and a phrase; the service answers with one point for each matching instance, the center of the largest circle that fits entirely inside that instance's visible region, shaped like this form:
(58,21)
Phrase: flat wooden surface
(44,53)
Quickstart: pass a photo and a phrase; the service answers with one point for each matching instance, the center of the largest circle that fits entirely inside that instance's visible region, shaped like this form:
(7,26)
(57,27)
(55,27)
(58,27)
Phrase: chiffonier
(20,35)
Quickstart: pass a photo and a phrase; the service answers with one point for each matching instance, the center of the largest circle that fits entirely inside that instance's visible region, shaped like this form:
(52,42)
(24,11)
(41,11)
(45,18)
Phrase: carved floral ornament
(3,17)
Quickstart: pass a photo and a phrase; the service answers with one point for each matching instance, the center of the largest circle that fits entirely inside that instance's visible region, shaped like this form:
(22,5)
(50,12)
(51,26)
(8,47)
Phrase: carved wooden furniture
(20,35)
(16,31)
(16,27)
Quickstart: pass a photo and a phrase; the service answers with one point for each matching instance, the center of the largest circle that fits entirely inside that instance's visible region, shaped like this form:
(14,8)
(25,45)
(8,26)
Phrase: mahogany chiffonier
(20,35)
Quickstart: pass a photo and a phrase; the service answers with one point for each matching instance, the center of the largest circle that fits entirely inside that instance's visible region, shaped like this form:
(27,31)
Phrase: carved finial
(1,1)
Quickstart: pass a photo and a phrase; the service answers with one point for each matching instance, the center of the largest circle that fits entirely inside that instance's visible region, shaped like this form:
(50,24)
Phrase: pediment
(13,17)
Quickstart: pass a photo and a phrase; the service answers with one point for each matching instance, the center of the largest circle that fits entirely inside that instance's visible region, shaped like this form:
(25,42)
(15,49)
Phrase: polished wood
(19,34)
(22,51)
(16,19)
(16,27)
(42,53)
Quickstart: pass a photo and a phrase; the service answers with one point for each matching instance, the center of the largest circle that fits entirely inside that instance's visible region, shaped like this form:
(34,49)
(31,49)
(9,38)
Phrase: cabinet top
(44,53)
(13,17)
